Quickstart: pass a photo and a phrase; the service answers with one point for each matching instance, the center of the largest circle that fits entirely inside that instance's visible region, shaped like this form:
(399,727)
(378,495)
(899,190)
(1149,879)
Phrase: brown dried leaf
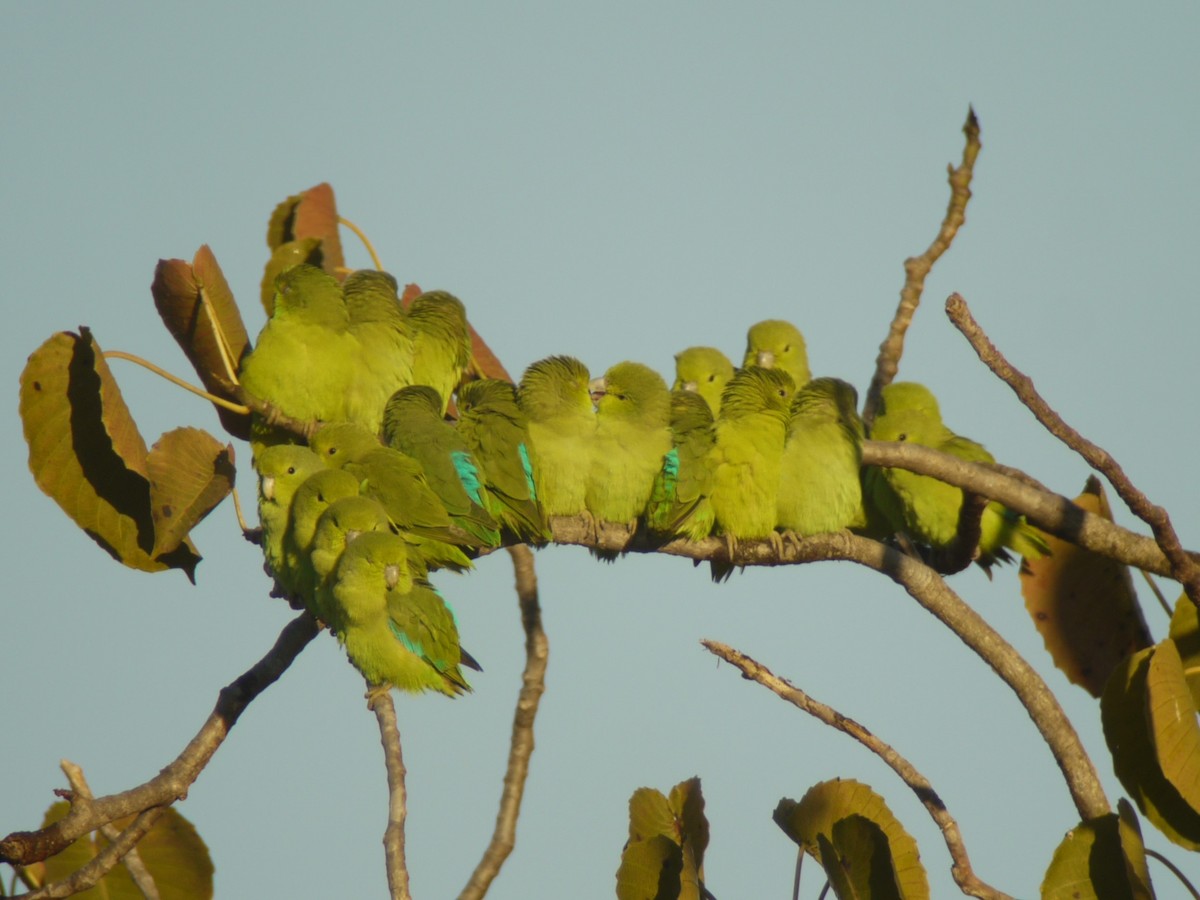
(1084,604)
(85,452)
(179,291)
(190,473)
(311,214)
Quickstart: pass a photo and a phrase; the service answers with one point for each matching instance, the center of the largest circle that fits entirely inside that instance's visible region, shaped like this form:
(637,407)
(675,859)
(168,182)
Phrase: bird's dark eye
(902,437)
(332,451)
(291,470)
(787,348)
(712,378)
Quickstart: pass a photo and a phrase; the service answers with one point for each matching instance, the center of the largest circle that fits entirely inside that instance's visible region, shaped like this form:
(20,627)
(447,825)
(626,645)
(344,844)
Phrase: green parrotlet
(395,627)
(927,509)
(776,344)
(305,357)
(494,429)
(679,504)
(379,323)
(747,456)
(282,469)
(820,486)
(413,424)
(441,342)
(318,492)
(344,521)
(704,370)
(557,403)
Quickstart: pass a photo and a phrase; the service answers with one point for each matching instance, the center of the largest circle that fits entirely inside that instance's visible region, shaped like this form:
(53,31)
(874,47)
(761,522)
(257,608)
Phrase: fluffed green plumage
(820,488)
(318,492)
(441,342)
(395,627)
(399,483)
(555,398)
(282,469)
(705,371)
(928,509)
(747,455)
(378,322)
(305,356)
(340,524)
(413,424)
(776,344)
(633,434)
(495,431)
(679,504)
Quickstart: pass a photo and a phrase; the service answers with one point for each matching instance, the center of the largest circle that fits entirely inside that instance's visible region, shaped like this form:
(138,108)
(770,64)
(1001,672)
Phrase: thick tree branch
(964,875)
(1183,569)
(917,268)
(172,783)
(393,835)
(533,685)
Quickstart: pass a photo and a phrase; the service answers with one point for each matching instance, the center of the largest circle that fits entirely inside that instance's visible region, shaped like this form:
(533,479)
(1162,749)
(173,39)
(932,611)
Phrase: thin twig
(1174,869)
(177,381)
(1158,594)
(140,875)
(103,862)
(917,268)
(960,869)
(1183,569)
(172,783)
(1053,513)
(362,236)
(393,835)
(533,685)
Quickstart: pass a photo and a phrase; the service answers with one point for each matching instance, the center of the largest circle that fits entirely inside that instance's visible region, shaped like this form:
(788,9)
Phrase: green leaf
(179,290)
(1185,632)
(680,820)
(1173,720)
(190,473)
(650,870)
(857,861)
(1126,710)
(1084,604)
(1100,859)
(172,852)
(829,802)
(687,805)
(85,452)
(650,815)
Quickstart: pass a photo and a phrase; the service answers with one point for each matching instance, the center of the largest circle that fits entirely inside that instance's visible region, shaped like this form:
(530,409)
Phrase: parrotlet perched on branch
(395,627)
(705,371)
(441,342)
(820,487)
(555,397)
(380,325)
(340,524)
(494,429)
(747,457)
(679,504)
(925,508)
(633,434)
(413,424)
(282,469)
(305,357)
(776,344)
(318,492)
(399,483)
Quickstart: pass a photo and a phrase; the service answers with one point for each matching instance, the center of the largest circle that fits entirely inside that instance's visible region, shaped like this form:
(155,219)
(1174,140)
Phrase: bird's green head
(775,344)
(555,386)
(343,442)
(758,390)
(633,391)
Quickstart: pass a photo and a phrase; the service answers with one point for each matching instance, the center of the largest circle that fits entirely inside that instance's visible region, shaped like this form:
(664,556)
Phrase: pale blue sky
(615,182)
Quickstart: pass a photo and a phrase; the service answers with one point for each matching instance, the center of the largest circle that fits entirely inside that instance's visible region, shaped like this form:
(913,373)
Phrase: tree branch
(140,875)
(964,875)
(1050,512)
(917,268)
(1183,569)
(172,783)
(393,835)
(533,685)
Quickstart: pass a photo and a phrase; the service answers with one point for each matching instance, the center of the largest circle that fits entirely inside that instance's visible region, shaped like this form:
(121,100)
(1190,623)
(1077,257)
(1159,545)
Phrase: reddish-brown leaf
(179,290)
(311,214)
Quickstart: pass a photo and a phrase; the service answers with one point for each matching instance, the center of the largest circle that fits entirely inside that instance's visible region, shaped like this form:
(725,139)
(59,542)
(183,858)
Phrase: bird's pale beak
(692,386)
(391,575)
(765,358)
(596,388)
(267,487)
